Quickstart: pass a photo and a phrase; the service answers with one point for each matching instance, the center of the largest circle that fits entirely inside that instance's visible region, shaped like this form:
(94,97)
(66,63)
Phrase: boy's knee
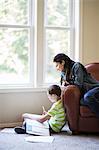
(24,115)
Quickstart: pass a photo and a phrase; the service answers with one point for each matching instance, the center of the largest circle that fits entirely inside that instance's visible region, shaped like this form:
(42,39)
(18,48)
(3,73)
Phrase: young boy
(55,115)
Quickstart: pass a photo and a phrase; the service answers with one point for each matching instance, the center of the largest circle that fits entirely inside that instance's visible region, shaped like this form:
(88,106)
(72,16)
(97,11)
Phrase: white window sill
(13,89)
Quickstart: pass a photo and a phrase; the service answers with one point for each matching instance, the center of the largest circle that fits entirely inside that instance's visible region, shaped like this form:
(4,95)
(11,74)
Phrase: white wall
(12,105)
(90,31)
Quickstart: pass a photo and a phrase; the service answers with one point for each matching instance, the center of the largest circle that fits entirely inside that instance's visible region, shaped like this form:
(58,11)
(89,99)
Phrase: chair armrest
(72,105)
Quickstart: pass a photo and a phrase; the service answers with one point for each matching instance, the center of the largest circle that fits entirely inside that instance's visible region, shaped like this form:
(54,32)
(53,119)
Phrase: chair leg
(75,132)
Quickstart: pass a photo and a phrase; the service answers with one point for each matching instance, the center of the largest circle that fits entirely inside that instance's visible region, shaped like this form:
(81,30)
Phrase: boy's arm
(43,118)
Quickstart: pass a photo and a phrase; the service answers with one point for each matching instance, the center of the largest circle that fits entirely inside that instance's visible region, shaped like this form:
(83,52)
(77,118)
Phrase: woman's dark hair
(67,66)
(60,57)
(54,89)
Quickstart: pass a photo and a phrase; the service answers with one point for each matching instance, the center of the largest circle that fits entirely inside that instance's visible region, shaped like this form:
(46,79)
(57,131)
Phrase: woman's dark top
(81,78)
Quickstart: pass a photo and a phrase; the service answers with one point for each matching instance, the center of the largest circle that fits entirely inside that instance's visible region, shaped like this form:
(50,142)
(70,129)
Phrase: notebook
(36,128)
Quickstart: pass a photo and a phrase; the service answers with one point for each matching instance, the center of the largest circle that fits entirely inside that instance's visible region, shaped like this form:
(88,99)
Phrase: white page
(37,124)
(37,128)
(37,139)
(38,131)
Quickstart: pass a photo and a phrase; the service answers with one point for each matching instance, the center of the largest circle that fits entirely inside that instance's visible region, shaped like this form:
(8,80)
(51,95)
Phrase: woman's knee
(87,97)
(91,95)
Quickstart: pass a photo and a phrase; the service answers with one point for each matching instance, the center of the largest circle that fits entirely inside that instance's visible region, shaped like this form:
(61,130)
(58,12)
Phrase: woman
(75,73)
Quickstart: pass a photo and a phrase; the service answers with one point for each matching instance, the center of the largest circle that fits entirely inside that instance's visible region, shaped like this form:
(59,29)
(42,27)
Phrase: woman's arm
(78,74)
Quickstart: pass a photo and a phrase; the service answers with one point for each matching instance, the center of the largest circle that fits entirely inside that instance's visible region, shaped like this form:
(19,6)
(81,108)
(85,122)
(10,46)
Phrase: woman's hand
(65,83)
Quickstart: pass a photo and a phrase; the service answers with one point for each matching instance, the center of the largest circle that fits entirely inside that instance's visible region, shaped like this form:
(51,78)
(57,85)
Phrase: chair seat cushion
(86,112)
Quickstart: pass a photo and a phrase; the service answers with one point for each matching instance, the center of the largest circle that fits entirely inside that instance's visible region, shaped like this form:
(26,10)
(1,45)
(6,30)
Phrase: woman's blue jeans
(91,99)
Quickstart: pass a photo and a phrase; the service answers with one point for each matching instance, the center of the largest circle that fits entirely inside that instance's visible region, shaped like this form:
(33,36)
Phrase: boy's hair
(54,89)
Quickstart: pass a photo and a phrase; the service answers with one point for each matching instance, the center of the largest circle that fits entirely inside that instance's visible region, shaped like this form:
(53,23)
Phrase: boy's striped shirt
(57,114)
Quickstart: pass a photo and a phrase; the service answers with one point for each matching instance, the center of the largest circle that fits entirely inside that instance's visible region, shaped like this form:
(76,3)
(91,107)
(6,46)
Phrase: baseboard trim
(9,125)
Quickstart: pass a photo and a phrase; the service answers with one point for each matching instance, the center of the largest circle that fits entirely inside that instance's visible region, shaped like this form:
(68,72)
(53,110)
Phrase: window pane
(57,41)
(14,11)
(57,12)
(14,55)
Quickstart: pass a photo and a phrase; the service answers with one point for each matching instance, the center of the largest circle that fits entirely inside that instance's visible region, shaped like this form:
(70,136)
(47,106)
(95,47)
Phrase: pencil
(43,108)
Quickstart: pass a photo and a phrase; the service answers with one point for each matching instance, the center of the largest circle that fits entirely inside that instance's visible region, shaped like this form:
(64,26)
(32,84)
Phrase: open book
(36,128)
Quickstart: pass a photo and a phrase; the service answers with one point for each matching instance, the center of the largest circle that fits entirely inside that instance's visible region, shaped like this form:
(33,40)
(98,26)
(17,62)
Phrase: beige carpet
(62,141)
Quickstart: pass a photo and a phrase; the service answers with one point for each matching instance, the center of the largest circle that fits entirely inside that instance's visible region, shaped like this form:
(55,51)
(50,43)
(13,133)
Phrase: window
(32,32)
(60,33)
(15,34)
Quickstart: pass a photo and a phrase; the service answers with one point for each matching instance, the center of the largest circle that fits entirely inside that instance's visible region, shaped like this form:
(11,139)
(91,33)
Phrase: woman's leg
(91,99)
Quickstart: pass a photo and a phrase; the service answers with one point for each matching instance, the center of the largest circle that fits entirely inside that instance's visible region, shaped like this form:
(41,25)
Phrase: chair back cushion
(93,68)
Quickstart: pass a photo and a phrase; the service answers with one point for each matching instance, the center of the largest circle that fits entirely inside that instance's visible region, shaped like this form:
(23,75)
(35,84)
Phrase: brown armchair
(80,118)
